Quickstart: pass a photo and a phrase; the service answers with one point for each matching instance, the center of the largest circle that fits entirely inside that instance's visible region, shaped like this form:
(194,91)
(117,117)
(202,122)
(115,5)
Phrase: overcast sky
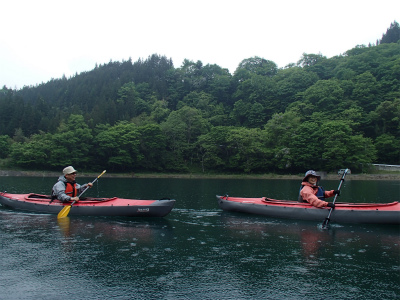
(46,39)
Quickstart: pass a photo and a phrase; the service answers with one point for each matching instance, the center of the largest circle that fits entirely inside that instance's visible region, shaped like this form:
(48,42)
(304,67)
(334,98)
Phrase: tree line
(322,113)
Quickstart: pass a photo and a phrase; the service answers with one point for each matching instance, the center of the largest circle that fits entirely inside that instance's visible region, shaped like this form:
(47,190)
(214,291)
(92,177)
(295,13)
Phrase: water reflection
(312,239)
(64,224)
(114,229)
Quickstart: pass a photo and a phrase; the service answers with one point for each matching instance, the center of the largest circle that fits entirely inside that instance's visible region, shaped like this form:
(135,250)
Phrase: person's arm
(331,193)
(82,187)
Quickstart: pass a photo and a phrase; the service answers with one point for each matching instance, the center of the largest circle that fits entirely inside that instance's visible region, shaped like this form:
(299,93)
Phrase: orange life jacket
(70,189)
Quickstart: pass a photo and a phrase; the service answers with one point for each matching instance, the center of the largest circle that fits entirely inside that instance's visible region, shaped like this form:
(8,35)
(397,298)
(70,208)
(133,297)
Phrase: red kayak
(89,206)
(378,213)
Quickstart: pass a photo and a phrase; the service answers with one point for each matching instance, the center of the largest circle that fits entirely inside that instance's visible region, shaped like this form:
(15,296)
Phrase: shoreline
(333,176)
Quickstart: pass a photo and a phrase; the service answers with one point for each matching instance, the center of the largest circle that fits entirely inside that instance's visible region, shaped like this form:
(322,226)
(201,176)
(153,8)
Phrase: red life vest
(70,189)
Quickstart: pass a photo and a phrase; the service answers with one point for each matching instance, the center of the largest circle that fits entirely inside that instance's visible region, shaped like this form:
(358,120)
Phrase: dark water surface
(197,251)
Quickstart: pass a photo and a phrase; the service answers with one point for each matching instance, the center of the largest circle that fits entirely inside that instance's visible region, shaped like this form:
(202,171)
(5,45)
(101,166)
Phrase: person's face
(313,180)
(71,177)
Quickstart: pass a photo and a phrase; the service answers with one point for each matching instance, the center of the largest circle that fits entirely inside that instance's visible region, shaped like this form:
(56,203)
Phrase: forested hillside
(321,113)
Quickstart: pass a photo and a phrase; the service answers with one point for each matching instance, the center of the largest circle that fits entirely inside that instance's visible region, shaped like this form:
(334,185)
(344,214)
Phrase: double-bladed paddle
(65,211)
(327,219)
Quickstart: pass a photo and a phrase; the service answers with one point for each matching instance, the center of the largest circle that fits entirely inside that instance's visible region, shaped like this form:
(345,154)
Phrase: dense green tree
(306,148)
(388,149)
(19,136)
(199,100)
(366,91)
(280,131)
(392,34)
(241,112)
(160,111)
(257,66)
(325,95)
(219,83)
(340,146)
(386,118)
(11,111)
(257,116)
(129,102)
(325,68)
(308,60)
(5,146)
(35,152)
(72,144)
(345,73)
(256,89)
(154,71)
(248,151)
(193,122)
(182,129)
(289,83)
(152,145)
(118,146)
(212,148)
(191,75)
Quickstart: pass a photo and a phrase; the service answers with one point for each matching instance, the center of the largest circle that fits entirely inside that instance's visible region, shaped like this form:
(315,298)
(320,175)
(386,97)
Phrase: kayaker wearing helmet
(312,193)
(66,189)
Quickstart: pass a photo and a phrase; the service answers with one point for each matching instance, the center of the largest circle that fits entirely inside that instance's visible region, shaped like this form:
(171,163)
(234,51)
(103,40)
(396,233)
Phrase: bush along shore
(326,176)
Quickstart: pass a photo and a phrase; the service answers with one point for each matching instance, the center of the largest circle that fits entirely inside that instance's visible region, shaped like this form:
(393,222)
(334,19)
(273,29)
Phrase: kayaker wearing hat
(66,189)
(312,193)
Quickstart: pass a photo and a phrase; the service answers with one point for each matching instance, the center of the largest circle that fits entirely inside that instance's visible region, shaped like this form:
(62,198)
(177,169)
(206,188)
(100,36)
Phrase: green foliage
(325,95)
(152,145)
(366,91)
(148,115)
(34,153)
(289,83)
(340,146)
(388,148)
(309,60)
(72,143)
(118,147)
(5,145)
(392,35)
(306,148)
(386,118)
(212,148)
(248,151)
(129,102)
(258,66)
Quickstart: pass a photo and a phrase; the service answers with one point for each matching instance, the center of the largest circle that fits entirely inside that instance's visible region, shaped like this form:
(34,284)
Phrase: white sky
(46,39)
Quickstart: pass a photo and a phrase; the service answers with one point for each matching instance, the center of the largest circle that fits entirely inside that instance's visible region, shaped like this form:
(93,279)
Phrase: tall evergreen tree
(392,34)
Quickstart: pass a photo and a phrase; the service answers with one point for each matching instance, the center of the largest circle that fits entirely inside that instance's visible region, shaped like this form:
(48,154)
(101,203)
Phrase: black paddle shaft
(326,221)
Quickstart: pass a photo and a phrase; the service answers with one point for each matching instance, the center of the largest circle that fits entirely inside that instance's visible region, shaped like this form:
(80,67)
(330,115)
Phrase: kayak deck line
(337,204)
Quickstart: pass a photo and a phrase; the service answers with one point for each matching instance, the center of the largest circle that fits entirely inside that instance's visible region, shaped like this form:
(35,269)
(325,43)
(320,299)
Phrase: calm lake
(197,251)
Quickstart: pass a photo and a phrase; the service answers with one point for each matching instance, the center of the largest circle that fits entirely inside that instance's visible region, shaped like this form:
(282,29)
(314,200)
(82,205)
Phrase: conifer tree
(392,34)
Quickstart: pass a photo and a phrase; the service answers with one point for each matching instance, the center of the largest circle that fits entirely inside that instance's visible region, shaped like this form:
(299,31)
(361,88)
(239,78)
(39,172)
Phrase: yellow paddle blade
(64,212)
